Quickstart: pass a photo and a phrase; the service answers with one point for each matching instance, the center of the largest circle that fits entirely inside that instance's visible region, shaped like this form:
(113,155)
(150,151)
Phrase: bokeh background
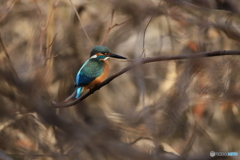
(162,110)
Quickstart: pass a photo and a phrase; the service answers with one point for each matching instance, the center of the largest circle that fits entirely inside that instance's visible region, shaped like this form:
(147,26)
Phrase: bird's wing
(88,72)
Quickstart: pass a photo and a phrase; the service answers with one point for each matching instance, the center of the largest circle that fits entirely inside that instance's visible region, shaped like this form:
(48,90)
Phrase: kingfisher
(94,70)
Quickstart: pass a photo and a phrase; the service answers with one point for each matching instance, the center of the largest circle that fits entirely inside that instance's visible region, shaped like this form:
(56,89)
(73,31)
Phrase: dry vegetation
(176,106)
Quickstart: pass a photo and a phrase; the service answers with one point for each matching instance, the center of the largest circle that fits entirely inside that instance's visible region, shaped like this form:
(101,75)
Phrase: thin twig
(112,26)
(71,96)
(50,46)
(118,24)
(109,28)
(80,20)
(138,139)
(189,145)
(144,35)
(8,10)
(51,57)
(52,41)
(170,33)
(44,27)
(143,61)
(38,9)
(145,30)
(8,58)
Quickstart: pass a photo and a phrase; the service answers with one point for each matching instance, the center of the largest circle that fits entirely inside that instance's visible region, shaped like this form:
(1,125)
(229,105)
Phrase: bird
(94,70)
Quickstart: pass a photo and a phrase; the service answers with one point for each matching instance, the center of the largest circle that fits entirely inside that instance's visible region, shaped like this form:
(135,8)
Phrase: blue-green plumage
(90,70)
(78,92)
(93,68)
(99,49)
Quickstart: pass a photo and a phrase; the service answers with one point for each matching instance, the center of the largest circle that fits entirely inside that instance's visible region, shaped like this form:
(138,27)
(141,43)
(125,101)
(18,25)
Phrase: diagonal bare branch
(81,23)
(143,61)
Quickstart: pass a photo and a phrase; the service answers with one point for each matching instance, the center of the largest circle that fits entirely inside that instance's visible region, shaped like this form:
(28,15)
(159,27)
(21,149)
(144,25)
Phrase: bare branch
(138,139)
(109,28)
(112,26)
(80,20)
(8,10)
(148,60)
(144,35)
(51,57)
(51,44)
(145,30)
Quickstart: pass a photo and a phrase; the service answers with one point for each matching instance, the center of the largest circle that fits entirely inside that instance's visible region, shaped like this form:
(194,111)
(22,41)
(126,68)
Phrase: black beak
(116,56)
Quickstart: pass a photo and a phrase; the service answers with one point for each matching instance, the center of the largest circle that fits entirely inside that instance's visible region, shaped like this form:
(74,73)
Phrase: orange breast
(101,78)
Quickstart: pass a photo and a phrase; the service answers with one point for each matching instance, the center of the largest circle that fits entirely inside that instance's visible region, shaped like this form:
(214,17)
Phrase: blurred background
(162,110)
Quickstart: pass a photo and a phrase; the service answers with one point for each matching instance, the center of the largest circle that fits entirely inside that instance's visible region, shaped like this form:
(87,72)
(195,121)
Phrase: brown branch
(8,58)
(145,30)
(51,44)
(109,28)
(44,27)
(189,145)
(8,10)
(80,20)
(118,24)
(51,57)
(138,139)
(143,61)
(170,32)
(144,35)
(38,9)
(112,26)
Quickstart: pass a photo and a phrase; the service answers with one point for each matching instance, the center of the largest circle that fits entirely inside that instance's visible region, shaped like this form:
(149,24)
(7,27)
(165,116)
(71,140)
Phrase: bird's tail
(78,92)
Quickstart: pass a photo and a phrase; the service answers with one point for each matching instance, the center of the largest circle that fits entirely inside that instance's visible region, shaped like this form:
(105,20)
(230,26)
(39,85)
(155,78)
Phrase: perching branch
(143,61)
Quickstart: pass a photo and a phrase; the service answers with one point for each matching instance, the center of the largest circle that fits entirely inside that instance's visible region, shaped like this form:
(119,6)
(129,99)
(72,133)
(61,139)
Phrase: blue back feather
(90,70)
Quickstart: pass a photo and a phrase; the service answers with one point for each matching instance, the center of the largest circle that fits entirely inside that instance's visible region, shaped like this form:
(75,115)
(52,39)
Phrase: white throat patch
(94,56)
(105,58)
